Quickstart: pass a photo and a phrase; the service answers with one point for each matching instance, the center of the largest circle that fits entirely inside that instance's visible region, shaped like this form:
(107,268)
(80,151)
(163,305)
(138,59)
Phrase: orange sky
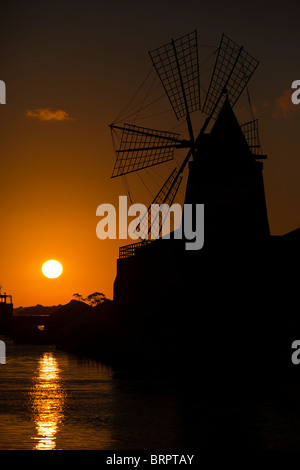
(80,62)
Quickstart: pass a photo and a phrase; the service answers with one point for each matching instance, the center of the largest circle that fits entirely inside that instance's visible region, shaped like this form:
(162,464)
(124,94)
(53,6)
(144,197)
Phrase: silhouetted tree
(78,297)
(93,299)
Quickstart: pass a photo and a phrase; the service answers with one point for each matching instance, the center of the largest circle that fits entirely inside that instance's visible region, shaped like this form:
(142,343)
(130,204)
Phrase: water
(53,400)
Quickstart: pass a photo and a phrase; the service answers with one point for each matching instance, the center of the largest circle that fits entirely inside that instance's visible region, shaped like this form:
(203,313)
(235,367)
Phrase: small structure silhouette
(6,312)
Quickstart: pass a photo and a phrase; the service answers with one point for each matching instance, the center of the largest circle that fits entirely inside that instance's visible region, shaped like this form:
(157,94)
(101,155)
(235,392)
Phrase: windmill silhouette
(177,67)
(175,305)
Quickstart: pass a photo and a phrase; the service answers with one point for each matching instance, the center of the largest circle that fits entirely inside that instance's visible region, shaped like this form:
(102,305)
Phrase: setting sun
(52,269)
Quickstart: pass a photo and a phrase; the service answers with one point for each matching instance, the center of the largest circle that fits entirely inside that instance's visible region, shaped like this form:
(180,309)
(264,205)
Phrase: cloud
(284,107)
(46,114)
(278,108)
(244,113)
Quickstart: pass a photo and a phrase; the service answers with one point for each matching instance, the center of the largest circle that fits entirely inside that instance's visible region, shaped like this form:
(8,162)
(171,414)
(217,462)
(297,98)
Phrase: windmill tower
(224,159)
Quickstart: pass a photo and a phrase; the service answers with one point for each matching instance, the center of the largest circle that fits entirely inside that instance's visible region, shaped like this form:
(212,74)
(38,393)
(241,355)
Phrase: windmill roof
(229,136)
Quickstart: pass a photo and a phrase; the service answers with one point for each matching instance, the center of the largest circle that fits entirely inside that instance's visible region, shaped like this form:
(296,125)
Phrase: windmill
(177,66)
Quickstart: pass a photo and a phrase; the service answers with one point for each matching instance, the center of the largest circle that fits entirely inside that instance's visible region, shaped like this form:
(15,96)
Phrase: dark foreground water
(52,400)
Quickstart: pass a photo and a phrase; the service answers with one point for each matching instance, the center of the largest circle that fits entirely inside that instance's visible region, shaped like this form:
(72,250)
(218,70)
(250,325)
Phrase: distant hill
(75,327)
(36,310)
(80,328)
(66,314)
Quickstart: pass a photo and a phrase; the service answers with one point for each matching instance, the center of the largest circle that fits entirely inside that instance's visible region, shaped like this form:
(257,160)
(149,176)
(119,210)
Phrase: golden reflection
(47,401)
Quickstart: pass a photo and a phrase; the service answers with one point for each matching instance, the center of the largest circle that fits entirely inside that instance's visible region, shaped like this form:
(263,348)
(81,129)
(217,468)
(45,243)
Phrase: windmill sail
(250,131)
(233,70)
(176,64)
(153,220)
(141,147)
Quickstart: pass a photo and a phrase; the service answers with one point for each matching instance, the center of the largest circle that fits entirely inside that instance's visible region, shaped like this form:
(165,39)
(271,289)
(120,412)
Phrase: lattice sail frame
(182,52)
(233,69)
(250,131)
(152,221)
(141,147)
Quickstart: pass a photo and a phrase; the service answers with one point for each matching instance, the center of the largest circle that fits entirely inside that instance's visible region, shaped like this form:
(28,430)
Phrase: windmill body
(226,177)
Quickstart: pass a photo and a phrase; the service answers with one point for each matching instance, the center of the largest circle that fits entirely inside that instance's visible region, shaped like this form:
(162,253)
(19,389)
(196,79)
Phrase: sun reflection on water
(47,402)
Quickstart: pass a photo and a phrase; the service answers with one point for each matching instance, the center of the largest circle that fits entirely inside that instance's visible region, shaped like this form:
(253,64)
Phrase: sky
(69,68)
